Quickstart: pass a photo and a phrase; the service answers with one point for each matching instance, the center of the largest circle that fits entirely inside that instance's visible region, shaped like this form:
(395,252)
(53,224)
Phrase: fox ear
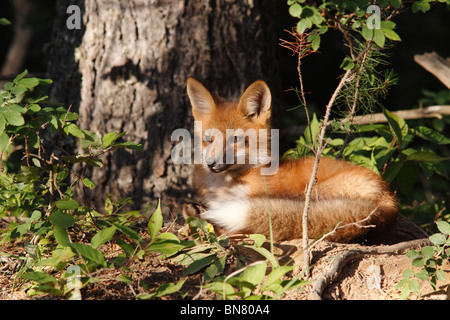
(201,99)
(256,101)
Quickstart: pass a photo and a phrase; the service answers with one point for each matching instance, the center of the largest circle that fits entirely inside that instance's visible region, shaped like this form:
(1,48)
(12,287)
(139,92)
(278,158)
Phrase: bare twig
(349,74)
(320,148)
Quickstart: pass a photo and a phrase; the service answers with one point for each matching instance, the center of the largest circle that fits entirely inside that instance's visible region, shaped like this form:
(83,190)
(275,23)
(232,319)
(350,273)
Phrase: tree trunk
(126,69)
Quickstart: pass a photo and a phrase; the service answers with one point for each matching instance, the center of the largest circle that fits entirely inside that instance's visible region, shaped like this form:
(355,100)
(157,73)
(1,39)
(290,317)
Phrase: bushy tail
(356,219)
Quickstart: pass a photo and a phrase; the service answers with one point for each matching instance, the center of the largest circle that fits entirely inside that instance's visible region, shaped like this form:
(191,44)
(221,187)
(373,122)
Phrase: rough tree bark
(126,70)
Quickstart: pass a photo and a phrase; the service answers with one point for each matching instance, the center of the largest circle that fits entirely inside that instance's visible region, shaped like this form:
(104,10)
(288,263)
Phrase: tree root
(342,260)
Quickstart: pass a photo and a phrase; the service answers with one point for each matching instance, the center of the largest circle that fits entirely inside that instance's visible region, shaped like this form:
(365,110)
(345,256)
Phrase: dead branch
(436,65)
(320,147)
(429,112)
(341,261)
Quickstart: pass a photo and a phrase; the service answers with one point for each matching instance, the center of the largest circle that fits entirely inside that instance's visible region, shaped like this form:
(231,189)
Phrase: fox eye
(237,138)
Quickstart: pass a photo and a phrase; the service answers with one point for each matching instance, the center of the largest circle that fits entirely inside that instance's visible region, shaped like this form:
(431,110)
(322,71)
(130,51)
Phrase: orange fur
(240,199)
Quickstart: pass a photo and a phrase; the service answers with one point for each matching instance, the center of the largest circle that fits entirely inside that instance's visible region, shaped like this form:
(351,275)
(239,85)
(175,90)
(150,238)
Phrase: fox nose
(212,165)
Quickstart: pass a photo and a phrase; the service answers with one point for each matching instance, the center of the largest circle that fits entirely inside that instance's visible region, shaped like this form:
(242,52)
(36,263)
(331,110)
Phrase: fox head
(235,135)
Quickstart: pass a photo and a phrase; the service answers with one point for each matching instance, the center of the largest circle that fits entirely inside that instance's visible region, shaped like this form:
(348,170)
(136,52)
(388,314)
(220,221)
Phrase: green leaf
(128,231)
(420,6)
(430,135)
(108,139)
(254,274)
(407,273)
(266,254)
(17,108)
(102,237)
(391,34)
(304,24)
(91,140)
(199,264)
(387,25)
(392,171)
(61,236)
(89,253)
(347,64)
(129,145)
(412,254)
(438,239)
(378,37)
(275,276)
(34,108)
(396,3)
(44,289)
(216,268)
(69,204)
(169,247)
(258,238)
(405,293)
(4,22)
(35,215)
(125,279)
(95,162)
(62,220)
(168,288)
(443,227)
(367,33)
(440,275)
(315,40)
(29,82)
(18,90)
(398,126)
(295,10)
(40,277)
(155,222)
(74,130)
(422,275)
(4,141)
(14,118)
(68,116)
(414,286)
(2,124)
(88,183)
(428,252)
(20,76)
(425,156)
(418,262)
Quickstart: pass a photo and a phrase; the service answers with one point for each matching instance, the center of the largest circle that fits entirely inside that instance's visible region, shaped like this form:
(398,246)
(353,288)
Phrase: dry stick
(320,148)
(314,172)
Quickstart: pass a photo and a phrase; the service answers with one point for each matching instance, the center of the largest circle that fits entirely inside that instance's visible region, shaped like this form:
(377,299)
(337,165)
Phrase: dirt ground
(364,276)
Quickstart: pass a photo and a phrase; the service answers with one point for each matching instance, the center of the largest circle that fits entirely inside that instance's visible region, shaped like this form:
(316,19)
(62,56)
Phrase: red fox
(239,199)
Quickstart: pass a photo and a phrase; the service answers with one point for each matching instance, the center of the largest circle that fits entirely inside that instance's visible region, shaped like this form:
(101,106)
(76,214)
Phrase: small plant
(212,256)
(428,260)
(36,193)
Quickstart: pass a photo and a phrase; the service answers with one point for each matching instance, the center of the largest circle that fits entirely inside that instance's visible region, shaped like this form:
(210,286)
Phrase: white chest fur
(227,203)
